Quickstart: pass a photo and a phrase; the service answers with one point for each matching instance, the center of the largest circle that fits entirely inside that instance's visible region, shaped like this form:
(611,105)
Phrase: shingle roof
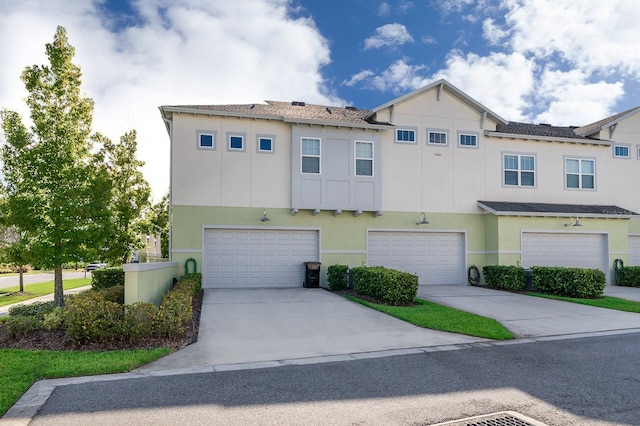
(598,125)
(537,130)
(540,209)
(289,111)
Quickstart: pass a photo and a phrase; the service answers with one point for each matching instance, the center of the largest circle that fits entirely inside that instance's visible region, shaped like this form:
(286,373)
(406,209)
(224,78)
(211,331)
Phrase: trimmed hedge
(386,285)
(570,282)
(105,278)
(505,277)
(629,276)
(338,277)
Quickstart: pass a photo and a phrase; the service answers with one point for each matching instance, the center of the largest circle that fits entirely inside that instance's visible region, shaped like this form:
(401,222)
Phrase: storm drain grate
(505,418)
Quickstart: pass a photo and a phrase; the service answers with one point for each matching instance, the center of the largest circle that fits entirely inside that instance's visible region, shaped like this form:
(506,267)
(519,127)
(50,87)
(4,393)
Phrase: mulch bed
(60,340)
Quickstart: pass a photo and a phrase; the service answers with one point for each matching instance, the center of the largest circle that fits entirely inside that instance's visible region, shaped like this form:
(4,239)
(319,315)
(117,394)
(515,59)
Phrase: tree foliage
(57,191)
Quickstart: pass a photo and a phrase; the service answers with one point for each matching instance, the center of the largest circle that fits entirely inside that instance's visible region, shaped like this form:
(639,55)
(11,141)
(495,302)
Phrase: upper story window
(519,170)
(468,140)
(580,173)
(621,151)
(364,158)
(206,140)
(310,158)
(436,137)
(406,135)
(265,143)
(236,142)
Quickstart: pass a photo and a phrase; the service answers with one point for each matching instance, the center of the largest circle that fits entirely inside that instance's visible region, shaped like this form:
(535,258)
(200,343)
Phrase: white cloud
(180,52)
(357,78)
(492,32)
(388,35)
(429,40)
(384,9)
(399,77)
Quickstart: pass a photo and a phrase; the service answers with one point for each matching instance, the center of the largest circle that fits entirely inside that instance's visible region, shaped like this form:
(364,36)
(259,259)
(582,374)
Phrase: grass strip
(21,368)
(432,315)
(607,302)
(37,290)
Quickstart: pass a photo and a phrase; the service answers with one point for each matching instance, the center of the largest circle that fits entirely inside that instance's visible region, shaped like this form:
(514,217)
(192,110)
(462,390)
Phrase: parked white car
(95,265)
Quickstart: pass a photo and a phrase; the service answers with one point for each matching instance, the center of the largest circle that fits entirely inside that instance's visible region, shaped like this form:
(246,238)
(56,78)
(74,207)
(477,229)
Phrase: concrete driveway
(527,316)
(260,325)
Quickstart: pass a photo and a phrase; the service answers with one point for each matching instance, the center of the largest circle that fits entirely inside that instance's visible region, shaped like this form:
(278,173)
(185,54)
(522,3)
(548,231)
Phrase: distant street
(39,278)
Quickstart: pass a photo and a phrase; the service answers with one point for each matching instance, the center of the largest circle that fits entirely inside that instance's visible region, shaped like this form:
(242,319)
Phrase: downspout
(169,125)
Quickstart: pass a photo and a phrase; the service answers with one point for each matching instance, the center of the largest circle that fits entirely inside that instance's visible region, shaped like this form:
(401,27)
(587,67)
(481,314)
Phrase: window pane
(438,138)
(310,165)
(364,150)
(526,163)
(587,166)
(587,181)
(621,151)
(510,178)
(406,135)
(468,140)
(265,144)
(511,162)
(526,179)
(364,167)
(573,166)
(572,181)
(310,146)
(206,141)
(235,142)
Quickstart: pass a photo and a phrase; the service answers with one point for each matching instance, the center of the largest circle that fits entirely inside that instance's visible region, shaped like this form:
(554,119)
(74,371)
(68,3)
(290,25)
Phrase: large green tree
(57,191)
(129,199)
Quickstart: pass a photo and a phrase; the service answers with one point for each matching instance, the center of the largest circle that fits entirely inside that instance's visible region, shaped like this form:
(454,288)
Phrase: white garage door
(236,258)
(634,250)
(436,257)
(570,250)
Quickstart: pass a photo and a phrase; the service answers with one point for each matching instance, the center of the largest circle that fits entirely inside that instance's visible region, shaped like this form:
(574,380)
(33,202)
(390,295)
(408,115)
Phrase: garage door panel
(257,258)
(437,258)
(568,250)
(634,250)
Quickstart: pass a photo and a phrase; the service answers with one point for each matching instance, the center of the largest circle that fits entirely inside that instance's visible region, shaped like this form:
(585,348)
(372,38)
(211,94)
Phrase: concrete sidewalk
(4,310)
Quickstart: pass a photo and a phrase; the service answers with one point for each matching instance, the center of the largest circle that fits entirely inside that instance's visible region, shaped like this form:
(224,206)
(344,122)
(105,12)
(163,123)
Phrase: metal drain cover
(503,418)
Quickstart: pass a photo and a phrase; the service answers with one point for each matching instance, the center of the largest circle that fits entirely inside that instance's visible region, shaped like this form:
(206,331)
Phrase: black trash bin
(312,274)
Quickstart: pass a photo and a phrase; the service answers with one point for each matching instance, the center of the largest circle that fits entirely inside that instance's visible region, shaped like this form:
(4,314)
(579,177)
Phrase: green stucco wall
(148,282)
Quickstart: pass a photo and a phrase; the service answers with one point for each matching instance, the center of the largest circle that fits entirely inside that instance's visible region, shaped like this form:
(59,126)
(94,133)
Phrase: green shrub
(139,320)
(20,325)
(629,276)
(505,277)
(54,319)
(338,277)
(569,282)
(106,278)
(90,317)
(386,285)
(37,310)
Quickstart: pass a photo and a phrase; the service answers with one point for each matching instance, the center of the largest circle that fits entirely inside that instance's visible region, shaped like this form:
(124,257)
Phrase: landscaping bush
(386,285)
(629,276)
(569,282)
(106,278)
(504,277)
(5,269)
(338,277)
(139,320)
(20,325)
(36,310)
(91,319)
(54,319)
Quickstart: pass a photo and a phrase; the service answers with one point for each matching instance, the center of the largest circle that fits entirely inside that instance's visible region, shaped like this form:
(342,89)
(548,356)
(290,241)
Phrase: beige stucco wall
(148,282)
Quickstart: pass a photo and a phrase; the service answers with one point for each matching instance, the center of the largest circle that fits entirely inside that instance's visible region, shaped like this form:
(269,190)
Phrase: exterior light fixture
(423,220)
(264,217)
(573,223)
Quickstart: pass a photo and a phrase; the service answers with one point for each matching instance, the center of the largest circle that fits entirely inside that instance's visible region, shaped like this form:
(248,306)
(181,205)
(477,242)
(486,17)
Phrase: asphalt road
(588,381)
(38,278)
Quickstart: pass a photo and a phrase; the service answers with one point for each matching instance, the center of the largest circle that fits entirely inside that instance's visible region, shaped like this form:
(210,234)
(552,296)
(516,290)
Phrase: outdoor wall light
(423,220)
(264,217)
(572,223)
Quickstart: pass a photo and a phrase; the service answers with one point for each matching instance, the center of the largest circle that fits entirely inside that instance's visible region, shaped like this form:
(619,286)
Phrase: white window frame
(580,174)
(265,151)
(519,170)
(242,137)
(318,156)
(356,158)
(474,134)
(622,145)
(438,131)
(414,130)
(201,133)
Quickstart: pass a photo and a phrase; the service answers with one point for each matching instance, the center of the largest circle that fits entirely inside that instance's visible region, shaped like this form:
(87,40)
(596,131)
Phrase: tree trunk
(58,292)
(21,269)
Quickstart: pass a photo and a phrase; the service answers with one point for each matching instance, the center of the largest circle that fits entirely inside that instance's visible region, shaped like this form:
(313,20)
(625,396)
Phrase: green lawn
(21,368)
(603,302)
(36,290)
(438,317)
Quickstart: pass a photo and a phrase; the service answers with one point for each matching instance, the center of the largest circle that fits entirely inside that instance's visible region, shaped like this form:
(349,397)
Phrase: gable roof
(505,208)
(598,126)
(450,88)
(291,112)
(516,128)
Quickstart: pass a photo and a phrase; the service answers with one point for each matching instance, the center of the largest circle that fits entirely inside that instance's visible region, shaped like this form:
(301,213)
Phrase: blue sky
(563,62)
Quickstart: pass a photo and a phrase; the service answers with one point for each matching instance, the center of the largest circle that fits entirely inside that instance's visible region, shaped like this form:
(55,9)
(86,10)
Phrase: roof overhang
(503,208)
(547,138)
